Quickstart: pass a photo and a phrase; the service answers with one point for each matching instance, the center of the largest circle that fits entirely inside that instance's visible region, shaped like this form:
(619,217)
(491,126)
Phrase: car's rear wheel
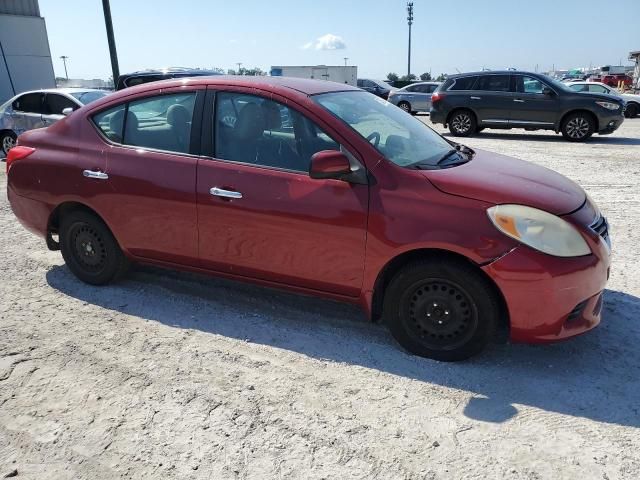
(7,142)
(445,310)
(89,248)
(632,110)
(578,127)
(462,123)
(406,106)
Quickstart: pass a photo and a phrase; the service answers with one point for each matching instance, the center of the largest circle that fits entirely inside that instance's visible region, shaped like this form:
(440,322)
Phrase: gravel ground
(172,375)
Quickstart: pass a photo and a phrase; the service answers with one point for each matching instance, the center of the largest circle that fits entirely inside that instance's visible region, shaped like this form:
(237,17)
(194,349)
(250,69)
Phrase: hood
(497,179)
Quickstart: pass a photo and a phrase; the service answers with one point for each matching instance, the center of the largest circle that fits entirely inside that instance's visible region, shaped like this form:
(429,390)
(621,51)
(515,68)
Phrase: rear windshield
(88,97)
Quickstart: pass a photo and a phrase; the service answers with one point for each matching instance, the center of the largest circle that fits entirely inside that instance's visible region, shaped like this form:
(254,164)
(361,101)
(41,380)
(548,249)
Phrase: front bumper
(609,123)
(550,298)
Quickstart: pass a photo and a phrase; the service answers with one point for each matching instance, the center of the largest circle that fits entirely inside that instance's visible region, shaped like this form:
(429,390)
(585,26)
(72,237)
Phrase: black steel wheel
(89,248)
(462,123)
(442,309)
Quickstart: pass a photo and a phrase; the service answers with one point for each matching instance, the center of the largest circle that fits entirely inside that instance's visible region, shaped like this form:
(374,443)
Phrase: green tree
(408,78)
(441,78)
(425,77)
(393,77)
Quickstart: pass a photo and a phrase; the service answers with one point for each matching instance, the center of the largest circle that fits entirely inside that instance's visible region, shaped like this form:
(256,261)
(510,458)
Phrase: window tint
(29,103)
(598,89)
(110,122)
(464,83)
(531,85)
(493,83)
(55,104)
(258,131)
(425,88)
(162,122)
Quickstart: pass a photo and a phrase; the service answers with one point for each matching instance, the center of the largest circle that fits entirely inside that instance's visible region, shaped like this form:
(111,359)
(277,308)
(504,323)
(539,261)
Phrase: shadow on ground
(595,140)
(595,376)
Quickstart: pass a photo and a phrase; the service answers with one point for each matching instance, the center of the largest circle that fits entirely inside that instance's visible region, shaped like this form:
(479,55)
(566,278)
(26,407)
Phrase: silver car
(38,109)
(415,97)
(633,101)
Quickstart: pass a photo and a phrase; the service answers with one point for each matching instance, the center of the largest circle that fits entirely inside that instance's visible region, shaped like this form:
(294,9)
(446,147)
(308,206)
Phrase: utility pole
(64,60)
(345,61)
(115,70)
(409,22)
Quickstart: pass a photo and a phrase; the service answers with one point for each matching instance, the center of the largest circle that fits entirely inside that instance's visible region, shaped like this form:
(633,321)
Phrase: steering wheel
(374,138)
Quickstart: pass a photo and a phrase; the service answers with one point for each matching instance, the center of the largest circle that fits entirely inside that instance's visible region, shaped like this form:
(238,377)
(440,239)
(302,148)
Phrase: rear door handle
(519,100)
(94,174)
(219,192)
(476,98)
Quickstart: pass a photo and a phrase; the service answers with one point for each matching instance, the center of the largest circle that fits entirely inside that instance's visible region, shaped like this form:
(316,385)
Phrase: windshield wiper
(447,155)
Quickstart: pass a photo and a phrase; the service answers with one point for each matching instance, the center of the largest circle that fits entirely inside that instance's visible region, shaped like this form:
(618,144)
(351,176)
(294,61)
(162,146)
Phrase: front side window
(161,122)
(493,83)
(29,103)
(55,104)
(531,85)
(258,131)
(401,138)
(464,83)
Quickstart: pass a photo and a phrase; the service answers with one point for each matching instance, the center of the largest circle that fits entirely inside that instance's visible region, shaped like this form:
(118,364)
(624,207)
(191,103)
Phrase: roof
(494,72)
(168,70)
(301,85)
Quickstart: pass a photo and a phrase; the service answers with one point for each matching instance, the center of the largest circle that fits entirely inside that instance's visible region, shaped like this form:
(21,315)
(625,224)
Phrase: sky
(459,35)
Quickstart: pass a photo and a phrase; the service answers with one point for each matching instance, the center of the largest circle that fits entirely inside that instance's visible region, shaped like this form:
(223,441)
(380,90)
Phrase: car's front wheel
(89,248)
(462,123)
(7,142)
(578,127)
(406,106)
(445,310)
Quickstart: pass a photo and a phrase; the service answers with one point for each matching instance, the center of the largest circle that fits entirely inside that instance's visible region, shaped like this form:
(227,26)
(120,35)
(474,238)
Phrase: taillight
(18,153)
(436,97)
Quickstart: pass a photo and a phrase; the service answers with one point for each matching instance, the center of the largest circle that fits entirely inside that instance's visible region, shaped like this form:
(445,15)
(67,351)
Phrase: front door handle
(519,100)
(219,192)
(94,174)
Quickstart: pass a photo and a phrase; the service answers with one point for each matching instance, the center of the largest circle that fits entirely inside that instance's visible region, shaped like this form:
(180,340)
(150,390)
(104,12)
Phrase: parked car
(319,188)
(613,80)
(38,109)
(415,97)
(155,75)
(377,87)
(470,102)
(632,100)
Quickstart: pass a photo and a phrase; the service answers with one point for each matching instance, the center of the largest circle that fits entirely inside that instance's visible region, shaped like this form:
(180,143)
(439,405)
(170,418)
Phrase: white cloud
(326,42)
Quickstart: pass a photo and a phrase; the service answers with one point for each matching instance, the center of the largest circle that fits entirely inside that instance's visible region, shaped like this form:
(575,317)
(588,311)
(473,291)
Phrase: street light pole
(112,42)
(345,61)
(239,67)
(64,60)
(410,22)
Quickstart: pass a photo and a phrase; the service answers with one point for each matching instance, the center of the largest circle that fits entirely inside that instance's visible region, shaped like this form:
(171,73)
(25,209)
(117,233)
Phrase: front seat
(179,118)
(243,143)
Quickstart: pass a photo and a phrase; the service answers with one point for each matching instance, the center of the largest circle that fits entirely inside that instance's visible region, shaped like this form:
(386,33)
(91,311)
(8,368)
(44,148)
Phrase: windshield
(557,84)
(398,136)
(88,97)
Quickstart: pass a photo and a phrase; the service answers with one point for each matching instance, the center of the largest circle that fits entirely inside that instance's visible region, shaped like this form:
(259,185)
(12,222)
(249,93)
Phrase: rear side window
(493,83)
(464,83)
(597,89)
(55,104)
(161,122)
(29,103)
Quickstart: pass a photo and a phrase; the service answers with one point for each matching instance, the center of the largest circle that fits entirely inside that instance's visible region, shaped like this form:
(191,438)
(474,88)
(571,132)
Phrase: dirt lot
(169,375)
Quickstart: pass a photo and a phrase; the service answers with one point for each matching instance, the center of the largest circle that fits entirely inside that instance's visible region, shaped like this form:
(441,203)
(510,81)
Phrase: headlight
(539,230)
(609,105)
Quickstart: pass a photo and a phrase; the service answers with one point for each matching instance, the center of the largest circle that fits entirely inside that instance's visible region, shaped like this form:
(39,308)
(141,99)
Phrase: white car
(39,109)
(633,101)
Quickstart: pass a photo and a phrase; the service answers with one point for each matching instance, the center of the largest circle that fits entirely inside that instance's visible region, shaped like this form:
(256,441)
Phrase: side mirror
(67,111)
(329,164)
(547,91)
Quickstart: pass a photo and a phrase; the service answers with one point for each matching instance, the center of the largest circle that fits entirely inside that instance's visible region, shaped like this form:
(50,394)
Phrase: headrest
(178,115)
(250,124)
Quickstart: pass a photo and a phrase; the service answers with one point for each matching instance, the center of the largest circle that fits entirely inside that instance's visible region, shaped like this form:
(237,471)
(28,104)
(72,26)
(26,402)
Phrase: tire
(462,123)
(89,249)
(441,309)
(406,106)
(7,141)
(632,110)
(578,127)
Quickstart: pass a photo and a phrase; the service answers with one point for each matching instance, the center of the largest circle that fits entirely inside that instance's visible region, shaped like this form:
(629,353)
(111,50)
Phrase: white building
(25,58)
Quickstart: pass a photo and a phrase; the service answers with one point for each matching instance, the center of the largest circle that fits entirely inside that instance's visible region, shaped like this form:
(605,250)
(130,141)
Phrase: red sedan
(320,188)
